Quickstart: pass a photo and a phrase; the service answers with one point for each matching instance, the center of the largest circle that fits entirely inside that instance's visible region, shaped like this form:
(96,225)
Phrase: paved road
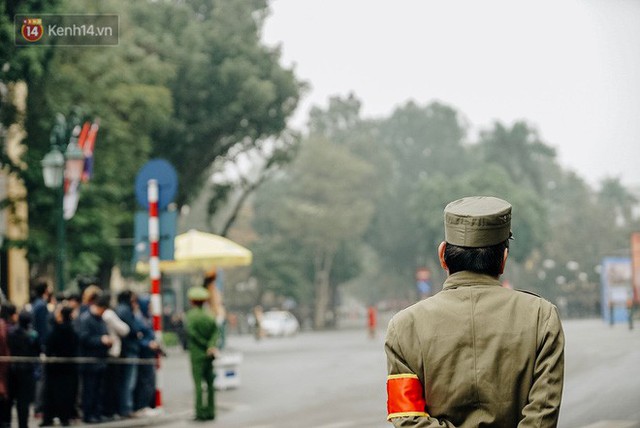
(337,380)
(602,379)
(328,380)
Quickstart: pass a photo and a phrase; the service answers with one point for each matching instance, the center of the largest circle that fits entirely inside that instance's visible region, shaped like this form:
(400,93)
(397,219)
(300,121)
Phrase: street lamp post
(53,170)
(56,167)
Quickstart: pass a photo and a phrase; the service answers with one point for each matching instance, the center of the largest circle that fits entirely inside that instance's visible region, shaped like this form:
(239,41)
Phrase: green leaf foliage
(188,81)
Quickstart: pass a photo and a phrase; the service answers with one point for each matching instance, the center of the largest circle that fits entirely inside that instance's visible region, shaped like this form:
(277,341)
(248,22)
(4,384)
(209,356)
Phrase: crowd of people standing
(99,357)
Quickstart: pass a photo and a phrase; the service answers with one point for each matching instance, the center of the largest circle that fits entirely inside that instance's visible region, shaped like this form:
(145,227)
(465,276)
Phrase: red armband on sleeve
(405,396)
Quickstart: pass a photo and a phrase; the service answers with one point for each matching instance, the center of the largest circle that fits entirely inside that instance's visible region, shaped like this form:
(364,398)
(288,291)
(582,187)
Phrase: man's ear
(441,248)
(504,260)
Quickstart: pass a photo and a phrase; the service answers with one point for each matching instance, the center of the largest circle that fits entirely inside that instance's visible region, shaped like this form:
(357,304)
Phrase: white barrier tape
(77,360)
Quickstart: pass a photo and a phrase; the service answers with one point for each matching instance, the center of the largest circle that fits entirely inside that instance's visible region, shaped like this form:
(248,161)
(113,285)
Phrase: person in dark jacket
(145,391)
(23,342)
(61,378)
(89,296)
(40,312)
(94,342)
(130,349)
(42,323)
(7,319)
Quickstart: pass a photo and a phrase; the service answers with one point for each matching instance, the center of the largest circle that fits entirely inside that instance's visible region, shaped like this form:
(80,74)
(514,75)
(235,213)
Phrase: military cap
(477,221)
(198,294)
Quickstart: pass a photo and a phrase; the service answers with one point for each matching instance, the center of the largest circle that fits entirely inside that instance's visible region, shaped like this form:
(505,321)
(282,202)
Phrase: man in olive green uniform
(476,354)
(202,336)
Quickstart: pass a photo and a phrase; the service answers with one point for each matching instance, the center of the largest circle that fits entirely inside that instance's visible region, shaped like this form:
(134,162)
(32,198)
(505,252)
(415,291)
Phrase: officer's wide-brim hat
(198,294)
(477,221)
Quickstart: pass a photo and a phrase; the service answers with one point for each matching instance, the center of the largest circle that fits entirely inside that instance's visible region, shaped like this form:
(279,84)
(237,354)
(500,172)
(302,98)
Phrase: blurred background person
(130,349)
(61,385)
(23,342)
(117,329)
(94,342)
(216,305)
(202,339)
(255,321)
(145,390)
(372,320)
(7,318)
(89,296)
(42,319)
(74,300)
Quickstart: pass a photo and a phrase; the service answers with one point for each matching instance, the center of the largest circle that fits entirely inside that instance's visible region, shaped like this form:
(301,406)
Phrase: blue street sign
(165,174)
(168,224)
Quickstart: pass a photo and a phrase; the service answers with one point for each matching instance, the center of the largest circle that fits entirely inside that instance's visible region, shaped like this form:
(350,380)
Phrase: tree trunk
(246,192)
(322,265)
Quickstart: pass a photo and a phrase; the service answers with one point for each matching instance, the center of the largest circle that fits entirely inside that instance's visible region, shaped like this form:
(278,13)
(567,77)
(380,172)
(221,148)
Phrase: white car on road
(279,323)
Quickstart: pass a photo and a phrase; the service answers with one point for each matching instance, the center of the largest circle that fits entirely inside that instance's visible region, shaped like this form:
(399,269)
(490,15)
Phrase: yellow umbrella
(196,250)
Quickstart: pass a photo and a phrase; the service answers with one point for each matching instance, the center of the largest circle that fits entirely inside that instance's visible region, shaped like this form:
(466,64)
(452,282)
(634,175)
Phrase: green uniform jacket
(202,332)
(485,356)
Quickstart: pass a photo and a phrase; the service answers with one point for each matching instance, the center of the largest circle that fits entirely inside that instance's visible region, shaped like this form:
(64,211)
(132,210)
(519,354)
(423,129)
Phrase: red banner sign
(635,265)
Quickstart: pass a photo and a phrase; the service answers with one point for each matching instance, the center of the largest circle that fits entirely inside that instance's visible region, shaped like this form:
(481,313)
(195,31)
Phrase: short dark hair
(125,297)
(484,260)
(7,310)
(66,312)
(74,297)
(103,300)
(40,287)
(24,319)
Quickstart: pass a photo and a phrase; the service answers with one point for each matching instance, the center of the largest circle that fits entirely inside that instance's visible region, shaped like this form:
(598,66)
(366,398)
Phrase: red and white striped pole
(154,273)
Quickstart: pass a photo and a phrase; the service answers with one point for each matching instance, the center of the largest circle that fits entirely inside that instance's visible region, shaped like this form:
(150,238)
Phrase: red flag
(83,134)
(87,148)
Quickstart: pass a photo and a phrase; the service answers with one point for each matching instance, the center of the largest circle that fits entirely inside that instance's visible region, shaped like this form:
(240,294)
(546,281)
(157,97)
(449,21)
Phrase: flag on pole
(83,134)
(87,148)
(86,139)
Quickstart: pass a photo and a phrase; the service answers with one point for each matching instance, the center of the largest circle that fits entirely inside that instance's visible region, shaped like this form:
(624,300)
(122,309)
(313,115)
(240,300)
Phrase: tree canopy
(189,81)
(423,159)
(361,199)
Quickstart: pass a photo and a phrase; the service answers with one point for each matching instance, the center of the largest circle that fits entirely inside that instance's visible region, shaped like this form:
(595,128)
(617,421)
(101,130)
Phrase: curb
(145,421)
(161,419)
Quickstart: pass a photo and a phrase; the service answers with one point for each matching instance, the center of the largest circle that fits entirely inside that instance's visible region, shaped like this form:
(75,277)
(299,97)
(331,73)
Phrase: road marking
(355,423)
(614,424)
(345,424)
(233,406)
(601,424)
(337,425)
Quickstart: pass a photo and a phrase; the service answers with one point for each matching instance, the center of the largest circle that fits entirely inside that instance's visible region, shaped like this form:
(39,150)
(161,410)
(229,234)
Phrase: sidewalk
(177,399)
(161,418)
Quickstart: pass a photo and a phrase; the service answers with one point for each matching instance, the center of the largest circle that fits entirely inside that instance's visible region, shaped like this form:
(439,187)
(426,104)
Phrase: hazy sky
(569,67)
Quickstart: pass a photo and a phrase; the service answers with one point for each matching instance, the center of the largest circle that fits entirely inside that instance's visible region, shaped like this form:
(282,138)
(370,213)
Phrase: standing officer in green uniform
(475,354)
(202,337)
